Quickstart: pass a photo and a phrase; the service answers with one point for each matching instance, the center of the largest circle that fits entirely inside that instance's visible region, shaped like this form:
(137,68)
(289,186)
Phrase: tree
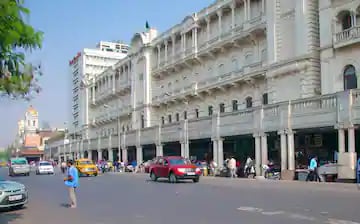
(17,79)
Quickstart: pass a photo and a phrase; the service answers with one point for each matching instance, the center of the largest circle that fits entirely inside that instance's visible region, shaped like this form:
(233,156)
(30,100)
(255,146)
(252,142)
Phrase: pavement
(133,199)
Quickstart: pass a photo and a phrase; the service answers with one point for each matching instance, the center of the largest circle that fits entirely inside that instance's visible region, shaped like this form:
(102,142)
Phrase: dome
(32,111)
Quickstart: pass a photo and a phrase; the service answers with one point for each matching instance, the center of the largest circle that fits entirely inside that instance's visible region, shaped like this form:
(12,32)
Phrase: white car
(44,167)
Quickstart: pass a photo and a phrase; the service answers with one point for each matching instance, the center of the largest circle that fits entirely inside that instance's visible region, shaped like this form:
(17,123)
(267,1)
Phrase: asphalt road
(133,199)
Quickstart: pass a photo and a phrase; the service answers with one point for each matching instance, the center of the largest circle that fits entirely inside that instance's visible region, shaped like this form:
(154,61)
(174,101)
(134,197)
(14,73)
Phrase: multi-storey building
(269,79)
(84,67)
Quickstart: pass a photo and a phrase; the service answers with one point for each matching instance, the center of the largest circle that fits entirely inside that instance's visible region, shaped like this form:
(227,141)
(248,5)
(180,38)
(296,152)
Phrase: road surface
(133,199)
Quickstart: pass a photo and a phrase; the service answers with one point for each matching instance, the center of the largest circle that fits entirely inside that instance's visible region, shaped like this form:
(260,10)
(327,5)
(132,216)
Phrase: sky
(71,25)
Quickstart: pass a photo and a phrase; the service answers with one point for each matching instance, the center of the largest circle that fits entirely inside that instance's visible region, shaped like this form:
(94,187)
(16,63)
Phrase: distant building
(84,67)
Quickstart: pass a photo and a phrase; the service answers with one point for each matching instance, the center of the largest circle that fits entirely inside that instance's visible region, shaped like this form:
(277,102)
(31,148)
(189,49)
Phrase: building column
(263,7)
(219,14)
(283,150)
(158,56)
(257,154)
(220,146)
(215,152)
(351,139)
(291,150)
(139,155)
(166,51)
(245,10)
(159,150)
(233,7)
(173,40)
(264,150)
(341,140)
(208,28)
(248,9)
(111,155)
(100,154)
(124,155)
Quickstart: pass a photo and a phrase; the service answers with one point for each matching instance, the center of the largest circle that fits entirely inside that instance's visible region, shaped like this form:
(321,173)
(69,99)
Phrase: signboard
(71,62)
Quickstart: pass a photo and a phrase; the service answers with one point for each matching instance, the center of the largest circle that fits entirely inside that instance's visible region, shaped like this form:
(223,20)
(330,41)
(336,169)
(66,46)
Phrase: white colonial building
(264,78)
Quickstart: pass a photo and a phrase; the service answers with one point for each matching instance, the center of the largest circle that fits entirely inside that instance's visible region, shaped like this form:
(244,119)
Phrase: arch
(350,78)
(249,102)
(138,37)
(249,57)
(188,18)
(344,19)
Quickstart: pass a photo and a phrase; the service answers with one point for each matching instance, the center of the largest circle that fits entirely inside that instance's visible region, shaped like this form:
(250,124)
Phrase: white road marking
(295,215)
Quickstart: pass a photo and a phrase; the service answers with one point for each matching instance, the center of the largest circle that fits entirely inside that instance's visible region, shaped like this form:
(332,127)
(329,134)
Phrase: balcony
(227,39)
(347,37)
(222,82)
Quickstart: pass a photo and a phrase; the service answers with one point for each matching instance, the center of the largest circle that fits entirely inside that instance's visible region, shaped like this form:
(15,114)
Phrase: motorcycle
(249,171)
(271,172)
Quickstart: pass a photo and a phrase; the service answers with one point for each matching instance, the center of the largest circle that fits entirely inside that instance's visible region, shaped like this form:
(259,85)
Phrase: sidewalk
(265,183)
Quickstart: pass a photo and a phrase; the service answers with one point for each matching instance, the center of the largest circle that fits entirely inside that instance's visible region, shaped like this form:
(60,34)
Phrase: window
(263,55)
(34,123)
(210,110)
(248,102)
(29,123)
(197,113)
(177,117)
(350,79)
(142,121)
(222,107)
(141,76)
(249,58)
(346,21)
(185,115)
(169,118)
(234,105)
(265,99)
(162,120)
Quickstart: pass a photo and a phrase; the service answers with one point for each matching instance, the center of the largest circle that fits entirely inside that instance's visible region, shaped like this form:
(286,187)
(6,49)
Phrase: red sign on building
(71,62)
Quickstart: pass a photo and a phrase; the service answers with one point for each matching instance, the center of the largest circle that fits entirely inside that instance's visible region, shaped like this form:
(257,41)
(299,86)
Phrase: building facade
(271,79)
(84,67)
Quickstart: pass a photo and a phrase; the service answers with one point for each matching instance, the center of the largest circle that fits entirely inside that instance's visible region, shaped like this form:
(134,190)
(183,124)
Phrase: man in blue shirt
(313,174)
(72,182)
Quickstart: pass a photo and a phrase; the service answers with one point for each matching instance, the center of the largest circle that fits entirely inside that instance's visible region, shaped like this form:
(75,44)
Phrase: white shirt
(232,163)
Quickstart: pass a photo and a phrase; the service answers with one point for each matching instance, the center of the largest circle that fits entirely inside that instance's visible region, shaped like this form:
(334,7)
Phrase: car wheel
(196,180)
(172,178)
(153,176)
(95,174)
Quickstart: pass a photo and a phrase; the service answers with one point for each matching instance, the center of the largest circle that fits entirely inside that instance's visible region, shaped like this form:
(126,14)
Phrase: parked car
(148,164)
(174,168)
(86,167)
(18,166)
(12,194)
(44,167)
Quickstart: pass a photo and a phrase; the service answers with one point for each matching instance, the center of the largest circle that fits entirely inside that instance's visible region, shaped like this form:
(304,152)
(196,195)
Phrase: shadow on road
(167,182)
(9,216)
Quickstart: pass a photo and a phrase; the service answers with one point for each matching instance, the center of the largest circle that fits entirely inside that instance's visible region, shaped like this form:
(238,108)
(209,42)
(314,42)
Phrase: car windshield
(45,164)
(179,161)
(86,162)
(19,162)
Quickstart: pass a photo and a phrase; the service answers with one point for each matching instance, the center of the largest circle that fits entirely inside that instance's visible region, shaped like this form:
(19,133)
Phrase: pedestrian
(72,182)
(313,170)
(232,167)
(63,167)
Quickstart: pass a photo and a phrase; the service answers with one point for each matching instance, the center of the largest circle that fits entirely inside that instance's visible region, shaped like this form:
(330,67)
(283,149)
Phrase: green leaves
(16,36)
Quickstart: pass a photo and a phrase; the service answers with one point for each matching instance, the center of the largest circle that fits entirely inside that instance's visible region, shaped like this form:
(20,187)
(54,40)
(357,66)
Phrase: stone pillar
(291,151)
(173,40)
(219,13)
(166,51)
(159,150)
(208,28)
(248,9)
(233,6)
(89,154)
(245,10)
(220,151)
(263,7)
(195,39)
(139,155)
(257,154)
(100,156)
(264,149)
(185,149)
(215,152)
(159,55)
(124,155)
(284,161)
(351,139)
(341,140)
(111,155)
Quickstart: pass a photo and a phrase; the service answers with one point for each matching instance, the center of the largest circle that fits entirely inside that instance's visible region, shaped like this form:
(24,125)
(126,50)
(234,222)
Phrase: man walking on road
(72,182)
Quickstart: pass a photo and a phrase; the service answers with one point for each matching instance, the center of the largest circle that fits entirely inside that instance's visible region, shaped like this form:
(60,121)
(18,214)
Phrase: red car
(174,168)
